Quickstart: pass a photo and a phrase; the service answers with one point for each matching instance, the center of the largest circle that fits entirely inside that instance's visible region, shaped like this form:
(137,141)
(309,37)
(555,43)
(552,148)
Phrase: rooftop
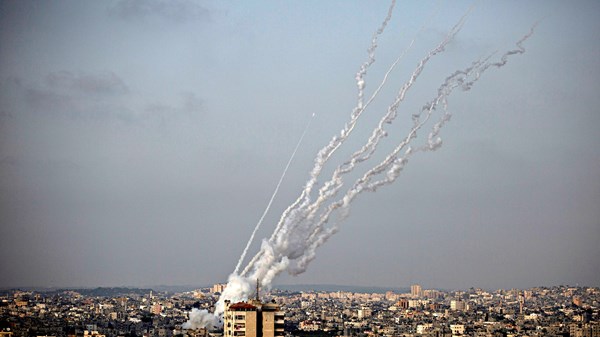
(243,306)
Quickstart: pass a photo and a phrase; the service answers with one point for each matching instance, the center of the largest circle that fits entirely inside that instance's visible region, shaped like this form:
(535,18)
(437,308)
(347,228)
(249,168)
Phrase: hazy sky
(141,140)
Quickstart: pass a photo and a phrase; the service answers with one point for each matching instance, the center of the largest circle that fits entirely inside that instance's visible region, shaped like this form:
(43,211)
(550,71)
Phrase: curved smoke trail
(336,141)
(332,186)
(306,225)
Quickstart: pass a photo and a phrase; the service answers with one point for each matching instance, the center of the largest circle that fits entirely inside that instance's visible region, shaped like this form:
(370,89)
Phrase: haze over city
(141,141)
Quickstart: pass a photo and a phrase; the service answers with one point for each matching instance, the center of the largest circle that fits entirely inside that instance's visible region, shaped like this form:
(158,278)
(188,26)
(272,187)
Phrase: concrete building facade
(253,319)
(416,290)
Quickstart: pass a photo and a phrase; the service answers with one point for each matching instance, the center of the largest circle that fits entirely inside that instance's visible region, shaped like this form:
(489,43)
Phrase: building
(424,328)
(310,325)
(218,288)
(584,330)
(414,303)
(364,312)
(458,305)
(416,290)
(156,308)
(402,303)
(253,319)
(457,329)
(433,294)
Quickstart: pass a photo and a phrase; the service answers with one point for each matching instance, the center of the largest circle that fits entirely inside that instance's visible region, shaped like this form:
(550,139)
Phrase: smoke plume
(318,211)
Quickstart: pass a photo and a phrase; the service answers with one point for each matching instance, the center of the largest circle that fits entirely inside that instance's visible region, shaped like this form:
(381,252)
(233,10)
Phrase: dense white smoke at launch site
(316,214)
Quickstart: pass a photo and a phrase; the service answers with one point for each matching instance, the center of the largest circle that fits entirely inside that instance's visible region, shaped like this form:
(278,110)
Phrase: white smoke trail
(299,237)
(360,81)
(296,226)
(394,163)
(379,133)
(262,217)
(331,187)
(326,152)
(303,228)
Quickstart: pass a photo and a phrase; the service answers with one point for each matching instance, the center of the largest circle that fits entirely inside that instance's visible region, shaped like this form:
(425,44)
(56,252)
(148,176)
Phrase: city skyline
(560,311)
(140,142)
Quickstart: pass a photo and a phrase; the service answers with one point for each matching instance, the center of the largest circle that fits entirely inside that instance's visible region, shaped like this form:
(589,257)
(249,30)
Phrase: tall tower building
(253,319)
(218,288)
(416,290)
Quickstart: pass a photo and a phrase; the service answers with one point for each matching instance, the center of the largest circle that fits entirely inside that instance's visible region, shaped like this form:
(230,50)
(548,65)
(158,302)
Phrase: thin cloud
(102,97)
(48,100)
(189,106)
(173,11)
(105,83)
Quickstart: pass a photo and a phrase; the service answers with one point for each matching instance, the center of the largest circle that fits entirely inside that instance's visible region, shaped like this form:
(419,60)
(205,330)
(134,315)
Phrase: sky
(140,141)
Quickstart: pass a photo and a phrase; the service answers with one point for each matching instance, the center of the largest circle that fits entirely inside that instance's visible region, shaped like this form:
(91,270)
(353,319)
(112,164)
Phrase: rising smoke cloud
(307,223)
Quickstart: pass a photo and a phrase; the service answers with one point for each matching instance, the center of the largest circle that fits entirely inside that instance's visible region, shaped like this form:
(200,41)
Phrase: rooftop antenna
(257,285)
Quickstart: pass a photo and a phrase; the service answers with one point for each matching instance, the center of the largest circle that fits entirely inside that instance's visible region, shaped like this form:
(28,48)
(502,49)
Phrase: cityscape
(566,311)
(445,148)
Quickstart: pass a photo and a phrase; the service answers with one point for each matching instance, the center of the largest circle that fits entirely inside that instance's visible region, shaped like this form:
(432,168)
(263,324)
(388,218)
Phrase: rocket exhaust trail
(326,152)
(332,186)
(262,217)
(374,140)
(393,163)
(360,82)
(376,136)
(306,225)
(278,253)
(298,218)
